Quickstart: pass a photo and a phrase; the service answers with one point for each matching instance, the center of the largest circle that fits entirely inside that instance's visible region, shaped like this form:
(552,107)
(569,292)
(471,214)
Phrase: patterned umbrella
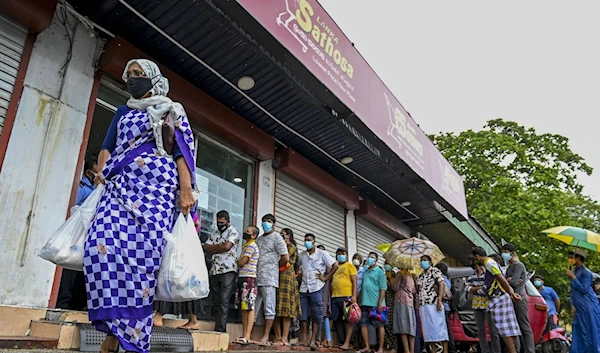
(407,253)
(574,236)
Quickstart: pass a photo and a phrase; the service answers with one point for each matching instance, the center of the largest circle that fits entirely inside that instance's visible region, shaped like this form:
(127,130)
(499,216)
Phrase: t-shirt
(341,283)
(405,289)
(271,248)
(373,282)
(311,265)
(480,299)
(251,251)
(517,271)
(549,295)
(227,261)
(492,286)
(426,283)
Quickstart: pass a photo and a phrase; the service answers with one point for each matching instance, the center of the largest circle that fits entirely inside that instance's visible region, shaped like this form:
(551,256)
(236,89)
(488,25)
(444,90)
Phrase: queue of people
(151,178)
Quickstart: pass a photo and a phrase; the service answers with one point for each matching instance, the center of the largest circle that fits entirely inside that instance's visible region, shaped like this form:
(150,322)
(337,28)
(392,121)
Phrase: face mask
(370,261)
(247,236)
(341,258)
(356,262)
(139,86)
(537,283)
(425,265)
(267,227)
(222,227)
(308,245)
(387,268)
(506,256)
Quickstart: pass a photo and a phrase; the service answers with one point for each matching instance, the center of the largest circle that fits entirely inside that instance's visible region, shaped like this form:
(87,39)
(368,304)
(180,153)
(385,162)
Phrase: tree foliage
(518,183)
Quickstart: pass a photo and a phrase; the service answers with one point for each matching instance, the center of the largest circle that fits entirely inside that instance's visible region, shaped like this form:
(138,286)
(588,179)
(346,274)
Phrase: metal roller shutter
(369,236)
(12,44)
(304,211)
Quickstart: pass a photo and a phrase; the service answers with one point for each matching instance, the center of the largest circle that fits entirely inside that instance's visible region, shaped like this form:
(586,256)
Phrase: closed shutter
(368,236)
(12,44)
(304,211)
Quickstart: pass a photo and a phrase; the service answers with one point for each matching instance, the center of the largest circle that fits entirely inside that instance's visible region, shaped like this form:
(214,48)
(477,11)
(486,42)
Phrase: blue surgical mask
(341,258)
(506,256)
(308,245)
(425,265)
(370,261)
(387,268)
(267,227)
(537,283)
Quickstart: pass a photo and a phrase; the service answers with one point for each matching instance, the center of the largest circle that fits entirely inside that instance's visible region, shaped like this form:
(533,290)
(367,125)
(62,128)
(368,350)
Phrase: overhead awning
(212,44)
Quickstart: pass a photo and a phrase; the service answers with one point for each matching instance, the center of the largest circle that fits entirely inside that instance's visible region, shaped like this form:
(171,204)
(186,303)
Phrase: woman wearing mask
(288,296)
(431,308)
(357,260)
(405,323)
(146,173)
(391,341)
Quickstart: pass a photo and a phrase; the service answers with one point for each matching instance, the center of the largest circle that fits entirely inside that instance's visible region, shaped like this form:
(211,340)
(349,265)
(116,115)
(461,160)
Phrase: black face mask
(247,236)
(222,227)
(138,86)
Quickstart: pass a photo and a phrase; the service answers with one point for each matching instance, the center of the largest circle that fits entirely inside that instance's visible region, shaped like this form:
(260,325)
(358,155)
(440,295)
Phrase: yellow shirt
(341,284)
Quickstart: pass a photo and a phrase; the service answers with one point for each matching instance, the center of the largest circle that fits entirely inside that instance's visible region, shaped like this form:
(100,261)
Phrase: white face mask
(356,262)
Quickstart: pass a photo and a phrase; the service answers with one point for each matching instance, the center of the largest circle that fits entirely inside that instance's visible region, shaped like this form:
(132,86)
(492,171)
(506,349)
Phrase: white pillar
(351,233)
(266,191)
(37,175)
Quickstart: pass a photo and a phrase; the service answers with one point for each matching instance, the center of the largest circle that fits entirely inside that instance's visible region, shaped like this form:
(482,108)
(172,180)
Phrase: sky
(454,65)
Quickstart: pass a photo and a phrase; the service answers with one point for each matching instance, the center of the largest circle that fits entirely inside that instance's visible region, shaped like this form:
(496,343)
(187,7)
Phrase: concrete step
(8,342)
(67,336)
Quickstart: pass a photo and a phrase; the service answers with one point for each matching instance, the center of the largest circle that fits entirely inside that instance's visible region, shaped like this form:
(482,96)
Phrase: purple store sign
(308,32)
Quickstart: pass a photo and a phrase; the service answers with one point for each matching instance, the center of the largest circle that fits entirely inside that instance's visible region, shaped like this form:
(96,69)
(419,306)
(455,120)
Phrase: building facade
(289,119)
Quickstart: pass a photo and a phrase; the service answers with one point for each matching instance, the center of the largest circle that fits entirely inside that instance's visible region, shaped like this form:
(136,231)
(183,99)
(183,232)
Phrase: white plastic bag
(65,246)
(183,275)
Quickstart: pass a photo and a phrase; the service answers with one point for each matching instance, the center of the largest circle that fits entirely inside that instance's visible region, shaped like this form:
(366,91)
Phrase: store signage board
(307,31)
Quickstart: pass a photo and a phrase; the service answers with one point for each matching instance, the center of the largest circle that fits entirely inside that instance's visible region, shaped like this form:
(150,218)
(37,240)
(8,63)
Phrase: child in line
(247,289)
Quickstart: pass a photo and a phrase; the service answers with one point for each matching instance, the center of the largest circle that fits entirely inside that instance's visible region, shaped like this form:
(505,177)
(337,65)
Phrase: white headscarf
(158,104)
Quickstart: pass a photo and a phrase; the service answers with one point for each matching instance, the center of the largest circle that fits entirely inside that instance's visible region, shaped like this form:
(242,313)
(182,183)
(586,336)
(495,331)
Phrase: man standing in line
(500,300)
(343,292)
(222,245)
(552,301)
(273,254)
(372,296)
(516,275)
(314,264)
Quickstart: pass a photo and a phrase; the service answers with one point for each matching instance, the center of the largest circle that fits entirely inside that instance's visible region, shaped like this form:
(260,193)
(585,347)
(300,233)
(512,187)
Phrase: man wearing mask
(343,292)
(584,306)
(314,264)
(222,246)
(273,255)
(372,296)
(516,275)
(552,301)
(500,300)
(71,294)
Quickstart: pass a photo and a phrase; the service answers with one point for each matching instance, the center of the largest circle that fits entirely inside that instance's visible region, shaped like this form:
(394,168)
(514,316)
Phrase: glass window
(226,182)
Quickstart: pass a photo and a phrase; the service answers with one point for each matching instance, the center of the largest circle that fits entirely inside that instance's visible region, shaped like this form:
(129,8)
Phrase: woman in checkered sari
(143,178)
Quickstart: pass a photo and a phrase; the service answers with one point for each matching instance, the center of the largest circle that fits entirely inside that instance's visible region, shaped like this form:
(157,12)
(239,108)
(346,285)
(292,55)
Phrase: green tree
(518,183)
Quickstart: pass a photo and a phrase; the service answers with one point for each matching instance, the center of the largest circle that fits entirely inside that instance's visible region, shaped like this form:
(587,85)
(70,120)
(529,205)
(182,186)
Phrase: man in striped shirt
(475,283)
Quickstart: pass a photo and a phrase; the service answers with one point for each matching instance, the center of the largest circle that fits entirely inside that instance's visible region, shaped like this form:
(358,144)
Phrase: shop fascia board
(203,110)
(306,172)
(36,15)
(473,234)
(369,211)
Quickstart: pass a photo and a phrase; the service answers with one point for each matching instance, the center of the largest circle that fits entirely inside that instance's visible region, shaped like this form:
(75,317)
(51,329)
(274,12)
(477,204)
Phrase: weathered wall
(37,176)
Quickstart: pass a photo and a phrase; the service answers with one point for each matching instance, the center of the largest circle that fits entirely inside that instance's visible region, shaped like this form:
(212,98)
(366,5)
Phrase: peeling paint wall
(40,163)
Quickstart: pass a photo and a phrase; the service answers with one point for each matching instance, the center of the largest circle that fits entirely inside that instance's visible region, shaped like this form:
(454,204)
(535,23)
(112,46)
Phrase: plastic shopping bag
(65,246)
(183,275)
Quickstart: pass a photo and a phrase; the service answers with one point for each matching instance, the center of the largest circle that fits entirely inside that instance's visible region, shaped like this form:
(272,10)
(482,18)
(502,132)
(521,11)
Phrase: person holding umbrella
(584,306)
